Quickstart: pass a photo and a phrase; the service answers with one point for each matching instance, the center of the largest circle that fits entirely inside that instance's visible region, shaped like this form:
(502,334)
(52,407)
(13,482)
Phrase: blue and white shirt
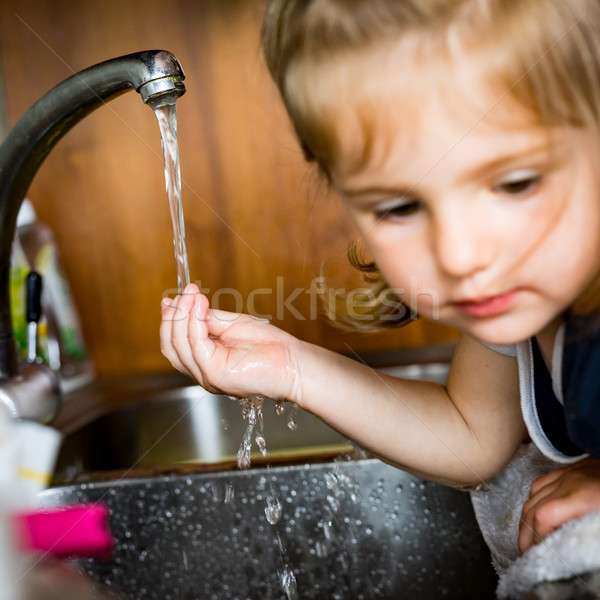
(561,407)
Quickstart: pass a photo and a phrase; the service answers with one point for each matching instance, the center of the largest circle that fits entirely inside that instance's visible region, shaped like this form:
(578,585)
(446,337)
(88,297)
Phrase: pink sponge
(67,531)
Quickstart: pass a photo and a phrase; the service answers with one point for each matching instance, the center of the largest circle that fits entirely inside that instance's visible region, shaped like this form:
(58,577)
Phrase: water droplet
(292,418)
(288,583)
(229,493)
(273,510)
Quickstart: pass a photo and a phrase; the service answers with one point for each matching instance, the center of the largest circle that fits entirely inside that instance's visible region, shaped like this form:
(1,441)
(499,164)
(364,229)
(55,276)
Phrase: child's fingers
(548,515)
(233,327)
(200,341)
(530,528)
(175,316)
(170,311)
(198,332)
(560,496)
(534,519)
(527,537)
(538,493)
(545,480)
(179,331)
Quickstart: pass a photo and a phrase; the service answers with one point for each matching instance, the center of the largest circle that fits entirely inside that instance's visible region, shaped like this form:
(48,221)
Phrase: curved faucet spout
(156,75)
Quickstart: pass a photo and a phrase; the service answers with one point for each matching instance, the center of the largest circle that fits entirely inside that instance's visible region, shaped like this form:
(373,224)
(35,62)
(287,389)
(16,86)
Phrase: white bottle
(13,565)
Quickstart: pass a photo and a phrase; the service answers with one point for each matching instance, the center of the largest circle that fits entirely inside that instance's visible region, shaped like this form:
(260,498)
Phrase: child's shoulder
(485,366)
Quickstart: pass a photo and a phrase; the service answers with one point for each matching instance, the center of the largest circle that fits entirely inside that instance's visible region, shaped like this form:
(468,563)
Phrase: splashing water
(251,412)
(229,493)
(252,407)
(273,509)
(292,419)
(167,122)
(288,583)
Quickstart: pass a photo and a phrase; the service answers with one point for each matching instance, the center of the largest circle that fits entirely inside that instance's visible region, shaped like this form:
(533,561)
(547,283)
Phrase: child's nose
(462,247)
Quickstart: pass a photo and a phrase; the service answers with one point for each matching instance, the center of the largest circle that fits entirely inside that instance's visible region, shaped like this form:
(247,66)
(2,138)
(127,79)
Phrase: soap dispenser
(60,341)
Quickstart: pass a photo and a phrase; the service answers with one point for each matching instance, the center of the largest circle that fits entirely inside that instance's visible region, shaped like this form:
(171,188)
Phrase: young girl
(463,138)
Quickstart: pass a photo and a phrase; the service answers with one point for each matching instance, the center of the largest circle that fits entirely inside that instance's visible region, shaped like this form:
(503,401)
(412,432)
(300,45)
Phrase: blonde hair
(545,54)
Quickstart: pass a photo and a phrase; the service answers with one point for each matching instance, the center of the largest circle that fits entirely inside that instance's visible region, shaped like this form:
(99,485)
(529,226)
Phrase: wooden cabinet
(259,225)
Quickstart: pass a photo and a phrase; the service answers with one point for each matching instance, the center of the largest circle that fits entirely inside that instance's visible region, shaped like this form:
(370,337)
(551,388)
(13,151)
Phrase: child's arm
(459,434)
(558,497)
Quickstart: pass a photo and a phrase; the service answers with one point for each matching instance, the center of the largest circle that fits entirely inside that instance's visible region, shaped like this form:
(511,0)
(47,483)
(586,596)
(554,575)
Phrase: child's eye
(519,183)
(400,210)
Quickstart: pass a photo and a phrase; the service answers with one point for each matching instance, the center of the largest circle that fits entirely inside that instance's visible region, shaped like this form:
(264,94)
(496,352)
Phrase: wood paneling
(255,219)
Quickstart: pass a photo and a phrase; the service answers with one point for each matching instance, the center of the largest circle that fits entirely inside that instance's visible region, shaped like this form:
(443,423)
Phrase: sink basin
(348,529)
(188,426)
(314,519)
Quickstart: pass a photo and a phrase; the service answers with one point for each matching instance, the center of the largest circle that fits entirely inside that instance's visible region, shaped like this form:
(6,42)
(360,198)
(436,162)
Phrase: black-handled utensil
(33,310)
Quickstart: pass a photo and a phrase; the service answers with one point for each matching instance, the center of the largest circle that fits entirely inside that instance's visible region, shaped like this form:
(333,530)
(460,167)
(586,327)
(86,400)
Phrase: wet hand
(557,497)
(229,353)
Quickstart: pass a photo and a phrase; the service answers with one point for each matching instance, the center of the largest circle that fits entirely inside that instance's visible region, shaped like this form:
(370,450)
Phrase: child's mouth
(488,306)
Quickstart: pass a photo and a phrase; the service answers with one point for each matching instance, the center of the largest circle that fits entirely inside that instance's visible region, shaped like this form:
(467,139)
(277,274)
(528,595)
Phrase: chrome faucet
(158,77)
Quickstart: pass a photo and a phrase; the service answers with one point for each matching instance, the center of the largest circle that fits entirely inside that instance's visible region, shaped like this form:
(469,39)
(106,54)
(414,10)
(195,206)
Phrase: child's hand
(227,353)
(558,497)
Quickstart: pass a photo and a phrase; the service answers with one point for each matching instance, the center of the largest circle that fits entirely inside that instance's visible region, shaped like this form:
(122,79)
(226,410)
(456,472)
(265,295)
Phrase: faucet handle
(33,303)
(35,393)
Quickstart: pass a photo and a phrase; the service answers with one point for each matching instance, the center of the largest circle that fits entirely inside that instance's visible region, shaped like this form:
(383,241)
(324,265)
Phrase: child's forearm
(415,425)
(462,433)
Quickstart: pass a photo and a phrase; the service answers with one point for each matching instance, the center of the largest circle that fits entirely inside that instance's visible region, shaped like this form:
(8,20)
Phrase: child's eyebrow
(548,149)
(363,193)
(540,152)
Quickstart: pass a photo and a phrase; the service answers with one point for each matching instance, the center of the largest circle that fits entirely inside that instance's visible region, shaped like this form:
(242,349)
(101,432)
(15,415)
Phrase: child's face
(490,226)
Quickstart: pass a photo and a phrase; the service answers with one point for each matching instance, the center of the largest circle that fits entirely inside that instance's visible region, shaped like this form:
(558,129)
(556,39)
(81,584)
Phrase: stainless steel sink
(348,530)
(342,528)
(188,426)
